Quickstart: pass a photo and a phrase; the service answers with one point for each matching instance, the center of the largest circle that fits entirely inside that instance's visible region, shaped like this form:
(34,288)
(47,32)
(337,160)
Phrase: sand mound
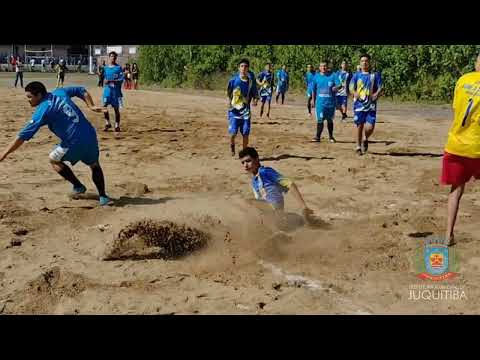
(149,239)
(44,293)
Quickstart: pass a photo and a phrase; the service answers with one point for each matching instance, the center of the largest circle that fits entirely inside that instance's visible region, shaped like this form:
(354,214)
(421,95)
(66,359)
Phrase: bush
(410,72)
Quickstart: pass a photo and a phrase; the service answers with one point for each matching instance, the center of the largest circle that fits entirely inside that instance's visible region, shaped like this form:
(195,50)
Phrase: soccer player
(242,88)
(77,135)
(282,83)
(366,86)
(461,160)
(19,72)
(101,74)
(342,95)
(268,185)
(135,75)
(112,90)
(265,82)
(61,70)
(309,75)
(325,84)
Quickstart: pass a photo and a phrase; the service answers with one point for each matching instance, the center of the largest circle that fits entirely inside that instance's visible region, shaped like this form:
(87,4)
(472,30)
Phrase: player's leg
(17,76)
(64,171)
(329,115)
(262,106)
(454,197)
(21,80)
(117,118)
(371,118)
(283,98)
(245,131)
(309,105)
(269,102)
(233,125)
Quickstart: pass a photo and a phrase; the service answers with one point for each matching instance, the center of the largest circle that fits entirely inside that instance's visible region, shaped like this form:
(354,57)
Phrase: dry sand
(360,261)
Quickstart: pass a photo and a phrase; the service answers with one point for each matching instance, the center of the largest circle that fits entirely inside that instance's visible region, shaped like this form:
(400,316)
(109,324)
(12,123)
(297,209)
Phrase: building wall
(126,53)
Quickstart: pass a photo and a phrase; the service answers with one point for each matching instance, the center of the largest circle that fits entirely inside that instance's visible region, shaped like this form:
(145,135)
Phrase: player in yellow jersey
(461,160)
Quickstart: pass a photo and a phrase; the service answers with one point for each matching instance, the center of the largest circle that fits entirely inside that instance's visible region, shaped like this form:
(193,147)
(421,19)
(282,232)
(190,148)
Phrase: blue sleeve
(38,120)
(274,176)
(230,88)
(260,76)
(378,81)
(75,91)
(353,83)
(253,90)
(336,80)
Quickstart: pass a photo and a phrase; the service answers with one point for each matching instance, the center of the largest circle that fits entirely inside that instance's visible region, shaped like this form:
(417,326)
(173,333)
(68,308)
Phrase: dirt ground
(376,211)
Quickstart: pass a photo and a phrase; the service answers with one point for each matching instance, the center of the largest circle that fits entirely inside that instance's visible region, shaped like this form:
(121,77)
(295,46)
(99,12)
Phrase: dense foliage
(410,72)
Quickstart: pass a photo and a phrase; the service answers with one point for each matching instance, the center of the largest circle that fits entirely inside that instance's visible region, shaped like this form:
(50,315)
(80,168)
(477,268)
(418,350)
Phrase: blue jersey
(323,86)
(282,80)
(309,75)
(240,92)
(63,118)
(365,84)
(265,78)
(113,81)
(344,77)
(269,185)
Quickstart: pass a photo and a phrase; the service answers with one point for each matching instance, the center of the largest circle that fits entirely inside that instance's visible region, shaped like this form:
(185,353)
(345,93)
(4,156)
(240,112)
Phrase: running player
(325,85)
(265,81)
(112,90)
(282,83)
(242,88)
(461,160)
(342,95)
(366,86)
(78,137)
(268,185)
(309,75)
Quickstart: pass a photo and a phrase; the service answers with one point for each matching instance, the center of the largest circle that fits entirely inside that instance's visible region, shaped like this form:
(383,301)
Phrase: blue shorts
(265,98)
(325,113)
(113,101)
(281,89)
(341,100)
(361,117)
(88,154)
(235,124)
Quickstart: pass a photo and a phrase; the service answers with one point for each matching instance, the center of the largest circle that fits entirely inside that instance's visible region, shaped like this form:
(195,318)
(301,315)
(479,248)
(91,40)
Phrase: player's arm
(379,85)
(11,148)
(83,94)
(29,130)
(337,86)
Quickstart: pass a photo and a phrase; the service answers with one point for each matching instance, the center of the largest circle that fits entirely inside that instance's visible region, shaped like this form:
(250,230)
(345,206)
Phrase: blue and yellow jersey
(365,84)
(344,77)
(269,185)
(265,81)
(240,92)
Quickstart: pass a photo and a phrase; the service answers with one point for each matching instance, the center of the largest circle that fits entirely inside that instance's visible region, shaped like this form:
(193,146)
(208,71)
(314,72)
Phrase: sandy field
(172,163)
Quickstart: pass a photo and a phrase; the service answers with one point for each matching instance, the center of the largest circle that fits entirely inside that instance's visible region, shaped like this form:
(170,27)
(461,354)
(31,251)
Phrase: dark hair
(112,53)
(244,61)
(365,55)
(248,151)
(36,87)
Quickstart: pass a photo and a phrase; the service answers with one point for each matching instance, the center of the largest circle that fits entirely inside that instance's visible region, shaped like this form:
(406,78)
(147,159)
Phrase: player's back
(65,119)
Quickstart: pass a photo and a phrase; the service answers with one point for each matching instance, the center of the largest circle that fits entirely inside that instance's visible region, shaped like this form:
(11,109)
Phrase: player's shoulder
(61,92)
(468,77)
(267,171)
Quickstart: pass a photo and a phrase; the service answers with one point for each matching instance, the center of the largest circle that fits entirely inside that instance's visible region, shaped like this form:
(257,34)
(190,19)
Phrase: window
(116,48)
(132,50)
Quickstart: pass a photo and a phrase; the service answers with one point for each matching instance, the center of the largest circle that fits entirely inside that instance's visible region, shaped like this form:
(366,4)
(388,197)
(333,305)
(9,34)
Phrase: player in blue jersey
(309,75)
(342,95)
(325,85)
(242,88)
(268,185)
(266,83)
(112,90)
(282,82)
(78,137)
(366,87)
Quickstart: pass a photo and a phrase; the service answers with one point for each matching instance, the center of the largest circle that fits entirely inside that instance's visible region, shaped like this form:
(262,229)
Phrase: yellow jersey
(464,134)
